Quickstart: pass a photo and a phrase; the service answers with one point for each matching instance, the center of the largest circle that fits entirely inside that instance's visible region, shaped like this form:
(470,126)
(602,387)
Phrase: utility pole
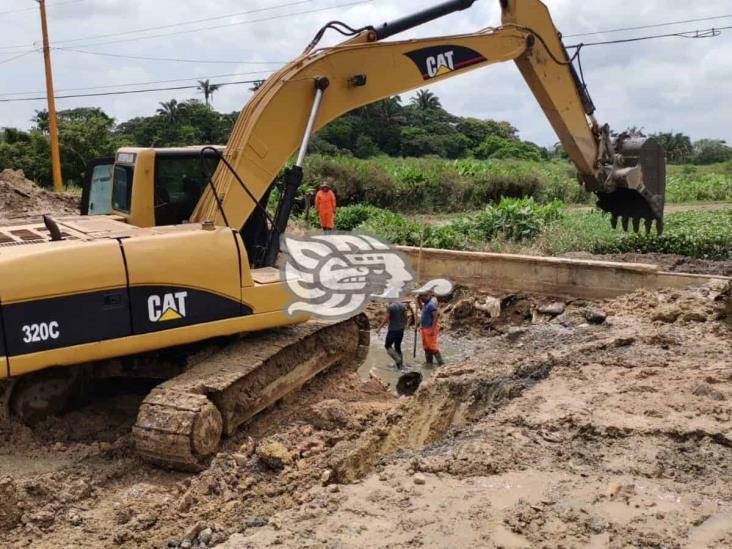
(52,121)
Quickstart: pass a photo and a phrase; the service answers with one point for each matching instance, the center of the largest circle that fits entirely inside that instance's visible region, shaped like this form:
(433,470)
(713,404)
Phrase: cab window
(122,188)
(179,182)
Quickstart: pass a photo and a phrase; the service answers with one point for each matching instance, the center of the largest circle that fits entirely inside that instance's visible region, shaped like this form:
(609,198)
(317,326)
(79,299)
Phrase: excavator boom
(322,84)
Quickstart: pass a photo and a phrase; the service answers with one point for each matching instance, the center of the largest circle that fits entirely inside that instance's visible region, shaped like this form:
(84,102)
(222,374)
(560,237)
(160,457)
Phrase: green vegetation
(412,185)
(88,133)
(700,234)
(699,184)
(388,159)
(523,225)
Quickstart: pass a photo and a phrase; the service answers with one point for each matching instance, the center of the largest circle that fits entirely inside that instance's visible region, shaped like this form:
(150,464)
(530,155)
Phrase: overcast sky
(661,85)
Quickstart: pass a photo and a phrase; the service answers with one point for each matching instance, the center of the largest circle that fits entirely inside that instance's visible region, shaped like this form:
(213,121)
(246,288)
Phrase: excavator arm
(323,84)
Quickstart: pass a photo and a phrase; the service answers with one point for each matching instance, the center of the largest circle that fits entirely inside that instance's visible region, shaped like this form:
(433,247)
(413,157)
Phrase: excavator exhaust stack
(635,190)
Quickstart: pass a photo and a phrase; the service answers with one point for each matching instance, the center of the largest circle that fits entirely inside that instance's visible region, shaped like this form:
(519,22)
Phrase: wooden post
(52,120)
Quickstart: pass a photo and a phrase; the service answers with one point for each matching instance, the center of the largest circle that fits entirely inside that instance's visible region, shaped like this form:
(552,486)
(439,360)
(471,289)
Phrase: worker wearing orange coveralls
(430,327)
(325,203)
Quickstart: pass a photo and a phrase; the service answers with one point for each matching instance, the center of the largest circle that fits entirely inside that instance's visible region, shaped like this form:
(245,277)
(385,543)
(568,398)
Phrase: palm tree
(207,89)
(426,100)
(170,110)
(390,109)
(41,120)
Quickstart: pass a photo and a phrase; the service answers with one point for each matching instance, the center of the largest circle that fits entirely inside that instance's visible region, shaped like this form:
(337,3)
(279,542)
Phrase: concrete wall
(545,275)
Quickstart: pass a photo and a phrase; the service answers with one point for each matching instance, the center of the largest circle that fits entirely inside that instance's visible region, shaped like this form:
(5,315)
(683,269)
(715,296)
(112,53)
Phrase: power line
(36,9)
(9,59)
(175,60)
(94,43)
(184,23)
(703,33)
(124,92)
(214,27)
(171,25)
(88,88)
(654,26)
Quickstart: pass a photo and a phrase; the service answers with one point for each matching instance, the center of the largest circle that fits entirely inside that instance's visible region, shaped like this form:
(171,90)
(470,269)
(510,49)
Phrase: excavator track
(181,422)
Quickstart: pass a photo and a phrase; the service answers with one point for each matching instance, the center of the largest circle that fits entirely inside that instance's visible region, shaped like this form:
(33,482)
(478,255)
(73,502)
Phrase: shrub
(516,219)
(705,235)
(429,184)
(499,148)
(699,188)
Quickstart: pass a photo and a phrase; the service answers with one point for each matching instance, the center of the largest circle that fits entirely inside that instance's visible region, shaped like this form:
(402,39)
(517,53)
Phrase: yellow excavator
(171,275)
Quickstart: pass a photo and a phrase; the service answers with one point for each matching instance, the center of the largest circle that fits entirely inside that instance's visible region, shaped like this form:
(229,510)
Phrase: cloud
(671,84)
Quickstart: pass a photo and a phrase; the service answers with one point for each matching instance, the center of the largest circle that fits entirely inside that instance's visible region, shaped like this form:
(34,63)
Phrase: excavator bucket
(639,180)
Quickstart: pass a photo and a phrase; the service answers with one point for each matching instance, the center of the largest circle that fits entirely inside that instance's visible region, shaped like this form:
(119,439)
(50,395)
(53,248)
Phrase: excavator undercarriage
(211,388)
(181,421)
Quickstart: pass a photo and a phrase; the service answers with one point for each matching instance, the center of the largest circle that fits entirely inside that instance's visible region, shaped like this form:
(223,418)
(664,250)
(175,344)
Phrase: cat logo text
(440,60)
(166,307)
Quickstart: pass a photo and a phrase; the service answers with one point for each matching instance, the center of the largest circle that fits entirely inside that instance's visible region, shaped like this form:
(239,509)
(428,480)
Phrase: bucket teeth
(614,221)
(625,220)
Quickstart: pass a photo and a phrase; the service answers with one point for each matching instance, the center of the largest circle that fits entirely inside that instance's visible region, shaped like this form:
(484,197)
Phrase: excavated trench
(449,401)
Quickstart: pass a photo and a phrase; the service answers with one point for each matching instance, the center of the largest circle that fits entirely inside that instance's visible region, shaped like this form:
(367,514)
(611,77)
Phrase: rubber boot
(396,357)
(438,356)
(428,356)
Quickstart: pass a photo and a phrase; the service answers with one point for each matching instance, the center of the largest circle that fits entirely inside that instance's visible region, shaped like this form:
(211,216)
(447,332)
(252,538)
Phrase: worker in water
(396,317)
(429,323)
(325,203)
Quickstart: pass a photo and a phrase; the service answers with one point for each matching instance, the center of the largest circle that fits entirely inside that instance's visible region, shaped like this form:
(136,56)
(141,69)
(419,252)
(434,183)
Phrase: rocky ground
(588,424)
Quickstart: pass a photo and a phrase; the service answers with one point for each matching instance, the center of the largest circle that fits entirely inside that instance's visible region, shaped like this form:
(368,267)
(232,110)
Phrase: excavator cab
(148,187)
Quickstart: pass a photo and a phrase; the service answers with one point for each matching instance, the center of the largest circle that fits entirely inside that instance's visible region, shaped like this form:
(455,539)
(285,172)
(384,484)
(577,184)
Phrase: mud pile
(75,481)
(22,200)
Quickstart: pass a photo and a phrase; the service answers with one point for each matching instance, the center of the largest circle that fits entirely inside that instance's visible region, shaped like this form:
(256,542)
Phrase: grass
(698,234)
(525,226)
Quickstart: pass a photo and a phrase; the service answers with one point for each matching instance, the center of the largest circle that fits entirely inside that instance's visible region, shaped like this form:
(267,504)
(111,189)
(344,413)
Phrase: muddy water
(378,364)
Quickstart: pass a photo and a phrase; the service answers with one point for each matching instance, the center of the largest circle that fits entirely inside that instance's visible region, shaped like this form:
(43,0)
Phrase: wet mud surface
(555,431)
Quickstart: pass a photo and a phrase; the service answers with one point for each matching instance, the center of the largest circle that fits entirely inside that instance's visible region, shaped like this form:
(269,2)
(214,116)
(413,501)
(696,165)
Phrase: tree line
(420,128)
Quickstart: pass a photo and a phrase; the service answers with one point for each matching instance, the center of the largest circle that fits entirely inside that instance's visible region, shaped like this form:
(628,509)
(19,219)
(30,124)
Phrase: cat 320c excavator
(178,281)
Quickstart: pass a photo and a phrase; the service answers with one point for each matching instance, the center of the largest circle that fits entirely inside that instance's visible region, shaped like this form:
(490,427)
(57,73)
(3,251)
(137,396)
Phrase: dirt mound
(73,482)
(21,200)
